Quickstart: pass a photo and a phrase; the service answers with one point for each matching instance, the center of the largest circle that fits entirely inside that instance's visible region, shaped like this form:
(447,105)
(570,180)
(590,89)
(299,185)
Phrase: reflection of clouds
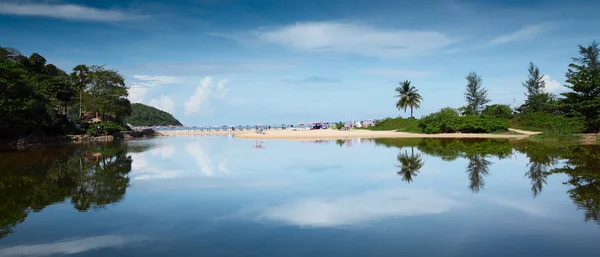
(164,151)
(157,174)
(69,247)
(528,208)
(352,209)
(203,160)
(138,161)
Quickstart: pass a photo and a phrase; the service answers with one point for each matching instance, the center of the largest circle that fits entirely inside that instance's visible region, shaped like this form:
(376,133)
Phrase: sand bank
(335,134)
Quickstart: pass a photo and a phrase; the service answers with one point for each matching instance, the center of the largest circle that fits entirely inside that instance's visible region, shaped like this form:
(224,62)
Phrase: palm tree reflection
(409,165)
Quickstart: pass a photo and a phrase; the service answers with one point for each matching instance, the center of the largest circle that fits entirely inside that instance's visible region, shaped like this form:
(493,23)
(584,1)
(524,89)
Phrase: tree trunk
(80,95)
(411,111)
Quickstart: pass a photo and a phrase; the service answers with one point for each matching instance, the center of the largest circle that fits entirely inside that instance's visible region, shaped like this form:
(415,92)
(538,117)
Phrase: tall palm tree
(408,97)
(409,165)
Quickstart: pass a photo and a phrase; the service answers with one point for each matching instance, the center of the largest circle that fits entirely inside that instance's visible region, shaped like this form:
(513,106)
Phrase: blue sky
(216,62)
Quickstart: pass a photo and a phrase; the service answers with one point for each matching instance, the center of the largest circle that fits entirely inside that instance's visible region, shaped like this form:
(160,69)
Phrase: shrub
(444,121)
(548,123)
(398,124)
(482,124)
(448,120)
(104,128)
(502,111)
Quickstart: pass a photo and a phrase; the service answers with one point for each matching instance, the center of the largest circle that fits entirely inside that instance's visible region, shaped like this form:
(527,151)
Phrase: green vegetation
(104,128)
(560,117)
(143,115)
(449,120)
(37,98)
(399,124)
(408,97)
(476,95)
(501,111)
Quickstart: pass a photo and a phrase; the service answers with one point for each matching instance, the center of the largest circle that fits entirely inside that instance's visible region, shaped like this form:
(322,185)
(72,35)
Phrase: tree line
(581,104)
(38,98)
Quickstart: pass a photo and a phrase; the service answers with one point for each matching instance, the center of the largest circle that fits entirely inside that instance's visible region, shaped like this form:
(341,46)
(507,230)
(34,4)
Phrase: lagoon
(223,196)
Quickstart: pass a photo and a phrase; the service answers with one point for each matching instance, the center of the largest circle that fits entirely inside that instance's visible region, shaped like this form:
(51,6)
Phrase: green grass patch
(398,124)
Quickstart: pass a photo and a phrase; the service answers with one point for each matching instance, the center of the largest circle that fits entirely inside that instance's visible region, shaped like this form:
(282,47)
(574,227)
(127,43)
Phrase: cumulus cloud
(138,161)
(203,93)
(164,103)
(137,94)
(525,33)
(72,246)
(164,151)
(358,208)
(66,11)
(552,86)
(354,38)
(204,161)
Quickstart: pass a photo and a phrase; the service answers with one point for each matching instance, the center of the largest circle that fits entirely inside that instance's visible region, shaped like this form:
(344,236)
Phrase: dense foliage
(501,111)
(37,98)
(584,79)
(548,123)
(143,115)
(104,128)
(448,120)
(398,124)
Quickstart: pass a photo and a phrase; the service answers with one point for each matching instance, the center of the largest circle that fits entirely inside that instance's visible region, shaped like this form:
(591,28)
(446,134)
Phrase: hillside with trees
(39,99)
(144,115)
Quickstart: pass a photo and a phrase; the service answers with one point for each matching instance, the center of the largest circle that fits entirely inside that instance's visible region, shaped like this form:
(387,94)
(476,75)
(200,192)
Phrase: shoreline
(336,134)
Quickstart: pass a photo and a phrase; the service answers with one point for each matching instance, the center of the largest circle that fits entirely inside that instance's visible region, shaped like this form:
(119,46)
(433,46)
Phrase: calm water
(220,196)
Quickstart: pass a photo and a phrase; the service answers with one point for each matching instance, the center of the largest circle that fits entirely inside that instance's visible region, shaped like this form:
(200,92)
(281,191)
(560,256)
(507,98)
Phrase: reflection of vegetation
(409,165)
(452,149)
(477,168)
(583,167)
(92,176)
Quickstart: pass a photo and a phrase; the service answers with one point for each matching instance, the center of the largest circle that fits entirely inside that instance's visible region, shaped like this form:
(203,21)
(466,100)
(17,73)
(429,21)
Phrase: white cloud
(204,92)
(528,208)
(164,151)
(204,161)
(552,86)
(154,81)
(164,103)
(353,209)
(138,161)
(72,246)
(355,39)
(137,94)
(522,34)
(66,11)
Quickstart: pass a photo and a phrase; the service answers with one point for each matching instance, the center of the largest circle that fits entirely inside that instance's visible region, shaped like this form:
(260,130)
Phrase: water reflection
(409,165)
(91,176)
(580,163)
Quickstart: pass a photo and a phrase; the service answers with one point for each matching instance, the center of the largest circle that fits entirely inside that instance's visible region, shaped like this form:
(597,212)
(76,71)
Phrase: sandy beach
(335,134)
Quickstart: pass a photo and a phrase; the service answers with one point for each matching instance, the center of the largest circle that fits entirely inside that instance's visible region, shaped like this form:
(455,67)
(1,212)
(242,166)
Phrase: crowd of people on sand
(263,127)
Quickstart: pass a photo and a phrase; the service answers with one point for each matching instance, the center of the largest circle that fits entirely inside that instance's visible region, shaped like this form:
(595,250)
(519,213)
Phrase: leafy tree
(81,79)
(108,94)
(502,111)
(409,165)
(538,99)
(476,94)
(584,79)
(408,97)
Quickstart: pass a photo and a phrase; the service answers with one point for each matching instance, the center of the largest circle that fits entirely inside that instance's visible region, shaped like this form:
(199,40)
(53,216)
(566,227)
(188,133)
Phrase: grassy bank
(398,124)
